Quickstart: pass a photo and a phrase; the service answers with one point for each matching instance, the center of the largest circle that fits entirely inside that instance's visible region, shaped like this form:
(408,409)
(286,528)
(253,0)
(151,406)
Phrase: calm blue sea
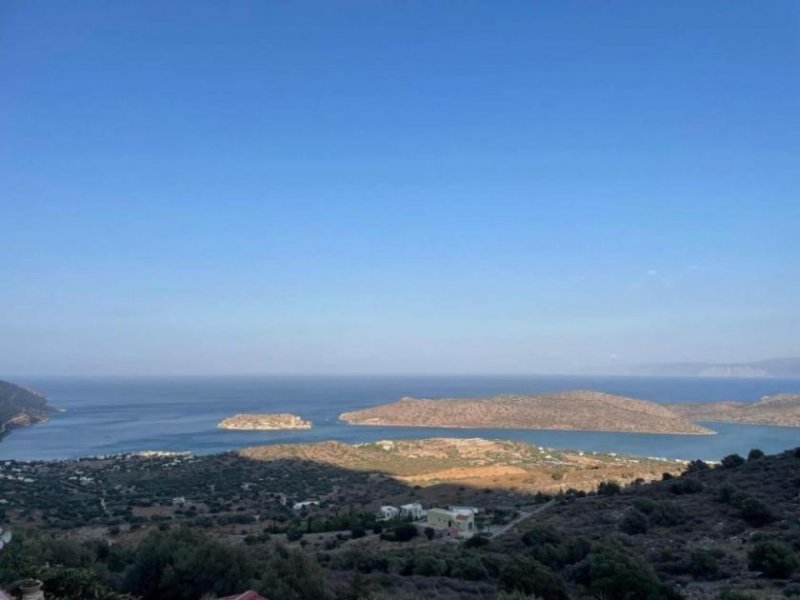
(110,415)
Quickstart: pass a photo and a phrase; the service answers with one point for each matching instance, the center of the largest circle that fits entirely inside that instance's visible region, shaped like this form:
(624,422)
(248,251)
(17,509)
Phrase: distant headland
(772,367)
(569,411)
(264,422)
(781,409)
(20,407)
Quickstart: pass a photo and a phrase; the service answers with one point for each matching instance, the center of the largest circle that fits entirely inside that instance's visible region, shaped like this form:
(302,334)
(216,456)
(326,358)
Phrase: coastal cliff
(570,411)
(781,409)
(20,407)
(264,422)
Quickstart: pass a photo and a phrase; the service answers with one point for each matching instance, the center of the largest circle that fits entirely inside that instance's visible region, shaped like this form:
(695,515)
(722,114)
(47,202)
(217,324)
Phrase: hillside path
(522,517)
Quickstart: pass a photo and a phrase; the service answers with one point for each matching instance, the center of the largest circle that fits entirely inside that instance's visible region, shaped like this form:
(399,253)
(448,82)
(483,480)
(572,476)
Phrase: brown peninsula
(569,411)
(781,409)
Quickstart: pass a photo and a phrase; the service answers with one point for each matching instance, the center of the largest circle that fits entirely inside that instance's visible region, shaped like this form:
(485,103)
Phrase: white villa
(413,510)
(387,513)
(460,523)
(304,504)
(471,509)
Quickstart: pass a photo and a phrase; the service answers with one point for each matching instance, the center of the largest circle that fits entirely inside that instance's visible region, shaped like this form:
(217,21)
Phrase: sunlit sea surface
(112,415)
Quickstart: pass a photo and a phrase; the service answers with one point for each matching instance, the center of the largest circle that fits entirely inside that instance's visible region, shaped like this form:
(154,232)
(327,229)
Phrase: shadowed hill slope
(474,462)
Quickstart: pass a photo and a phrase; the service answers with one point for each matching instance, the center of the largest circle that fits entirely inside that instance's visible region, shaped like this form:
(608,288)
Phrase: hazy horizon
(351,188)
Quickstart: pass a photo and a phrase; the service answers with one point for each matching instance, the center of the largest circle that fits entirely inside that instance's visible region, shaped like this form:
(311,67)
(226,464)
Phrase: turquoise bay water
(111,415)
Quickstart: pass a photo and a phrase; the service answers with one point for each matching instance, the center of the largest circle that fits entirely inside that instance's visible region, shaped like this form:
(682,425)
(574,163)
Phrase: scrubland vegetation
(727,532)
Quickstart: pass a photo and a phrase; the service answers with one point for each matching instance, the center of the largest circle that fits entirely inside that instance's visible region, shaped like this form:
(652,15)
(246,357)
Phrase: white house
(460,523)
(474,510)
(413,510)
(387,513)
(178,501)
(304,504)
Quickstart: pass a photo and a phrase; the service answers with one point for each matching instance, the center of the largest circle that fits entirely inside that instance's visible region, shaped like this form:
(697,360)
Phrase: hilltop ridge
(579,410)
(780,409)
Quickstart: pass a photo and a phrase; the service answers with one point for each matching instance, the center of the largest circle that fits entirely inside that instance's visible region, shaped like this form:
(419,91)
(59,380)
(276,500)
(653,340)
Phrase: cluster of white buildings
(414,511)
(456,521)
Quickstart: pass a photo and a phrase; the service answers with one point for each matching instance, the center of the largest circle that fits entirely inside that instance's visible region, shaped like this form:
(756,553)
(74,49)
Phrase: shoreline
(564,429)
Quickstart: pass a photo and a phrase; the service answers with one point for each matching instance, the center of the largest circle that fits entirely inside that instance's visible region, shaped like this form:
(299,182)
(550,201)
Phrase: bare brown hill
(575,410)
(476,462)
(781,409)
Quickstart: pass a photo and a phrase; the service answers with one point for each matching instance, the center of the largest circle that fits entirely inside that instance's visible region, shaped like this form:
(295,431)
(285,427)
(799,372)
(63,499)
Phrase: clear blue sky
(375,187)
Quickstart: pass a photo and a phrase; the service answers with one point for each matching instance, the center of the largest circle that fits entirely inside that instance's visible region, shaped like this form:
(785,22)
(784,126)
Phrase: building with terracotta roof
(460,523)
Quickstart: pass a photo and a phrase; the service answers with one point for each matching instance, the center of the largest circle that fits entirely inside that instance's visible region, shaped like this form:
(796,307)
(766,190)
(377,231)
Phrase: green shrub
(774,559)
(755,454)
(612,573)
(541,534)
(703,564)
(732,460)
(725,494)
(293,534)
(551,549)
(755,512)
(734,595)
(696,466)
(645,505)
(667,514)
(633,522)
(609,488)
(469,567)
(428,565)
(477,541)
(529,576)
(686,486)
(400,533)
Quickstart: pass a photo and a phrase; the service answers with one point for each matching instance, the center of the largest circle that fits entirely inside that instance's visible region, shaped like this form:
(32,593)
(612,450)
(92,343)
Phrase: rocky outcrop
(575,410)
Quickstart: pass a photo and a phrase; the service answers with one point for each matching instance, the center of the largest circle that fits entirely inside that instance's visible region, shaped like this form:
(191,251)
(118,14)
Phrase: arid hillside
(781,409)
(704,534)
(474,462)
(576,410)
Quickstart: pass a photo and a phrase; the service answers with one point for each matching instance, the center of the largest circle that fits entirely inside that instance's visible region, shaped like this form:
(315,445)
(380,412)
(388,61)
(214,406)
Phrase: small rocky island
(264,422)
(566,411)
(20,407)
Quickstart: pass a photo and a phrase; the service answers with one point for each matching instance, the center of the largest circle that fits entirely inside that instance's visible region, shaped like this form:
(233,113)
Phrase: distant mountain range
(773,367)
